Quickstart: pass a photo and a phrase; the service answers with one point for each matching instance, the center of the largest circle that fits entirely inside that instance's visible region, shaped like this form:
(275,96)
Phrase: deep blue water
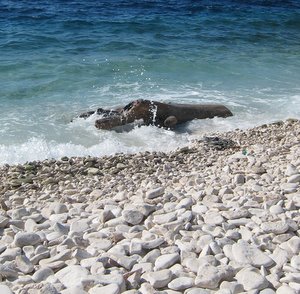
(58,58)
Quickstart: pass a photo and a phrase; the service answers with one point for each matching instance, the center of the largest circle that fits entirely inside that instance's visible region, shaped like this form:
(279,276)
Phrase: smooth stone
(108,289)
(88,262)
(79,226)
(289,188)
(59,208)
(192,264)
(208,277)
(97,268)
(277,227)
(144,266)
(146,209)
(233,287)
(133,217)
(276,209)
(294,244)
(159,279)
(181,283)
(5,289)
(165,218)
(38,257)
(280,256)
(8,270)
(61,256)
(245,253)
(251,279)
(235,214)
(24,264)
(128,261)
(291,170)
(135,247)
(294,178)
(113,278)
(166,260)
(60,218)
(295,262)
(199,209)
(72,275)
(146,288)
(285,289)
(24,239)
(239,179)
(93,171)
(10,254)
(42,274)
(154,193)
(3,221)
(213,218)
(101,244)
(295,286)
(153,243)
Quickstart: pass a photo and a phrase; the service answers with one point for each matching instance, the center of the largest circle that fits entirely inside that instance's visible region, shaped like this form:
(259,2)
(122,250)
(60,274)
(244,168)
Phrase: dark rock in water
(166,115)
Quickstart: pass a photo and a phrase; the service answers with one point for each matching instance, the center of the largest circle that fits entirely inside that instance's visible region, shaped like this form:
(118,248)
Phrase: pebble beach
(218,216)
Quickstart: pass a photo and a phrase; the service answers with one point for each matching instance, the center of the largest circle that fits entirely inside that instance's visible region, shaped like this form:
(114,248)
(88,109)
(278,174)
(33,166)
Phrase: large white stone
(42,274)
(24,264)
(24,239)
(5,289)
(213,218)
(72,275)
(277,227)
(291,170)
(132,216)
(294,244)
(208,277)
(232,287)
(245,253)
(295,262)
(285,289)
(161,219)
(181,283)
(251,279)
(79,226)
(3,221)
(154,193)
(166,260)
(159,279)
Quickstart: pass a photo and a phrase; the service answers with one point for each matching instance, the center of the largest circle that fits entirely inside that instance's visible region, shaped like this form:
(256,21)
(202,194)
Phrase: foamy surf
(86,140)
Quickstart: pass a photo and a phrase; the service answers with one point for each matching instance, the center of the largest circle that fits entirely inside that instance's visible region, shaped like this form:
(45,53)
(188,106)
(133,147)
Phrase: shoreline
(205,216)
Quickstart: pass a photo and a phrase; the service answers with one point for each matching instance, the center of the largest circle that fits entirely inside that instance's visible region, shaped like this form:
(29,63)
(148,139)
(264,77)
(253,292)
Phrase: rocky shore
(219,216)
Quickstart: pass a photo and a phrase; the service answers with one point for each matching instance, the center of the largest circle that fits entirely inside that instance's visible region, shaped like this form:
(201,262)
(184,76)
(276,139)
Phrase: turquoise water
(60,58)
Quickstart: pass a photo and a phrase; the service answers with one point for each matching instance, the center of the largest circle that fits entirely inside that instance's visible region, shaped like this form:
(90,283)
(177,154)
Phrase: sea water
(60,58)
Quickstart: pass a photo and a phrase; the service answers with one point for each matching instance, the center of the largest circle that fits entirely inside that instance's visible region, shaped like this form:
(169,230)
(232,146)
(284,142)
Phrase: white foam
(109,142)
(37,132)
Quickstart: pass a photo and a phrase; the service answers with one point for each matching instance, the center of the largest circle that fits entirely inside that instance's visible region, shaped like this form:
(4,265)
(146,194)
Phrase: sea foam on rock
(195,220)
